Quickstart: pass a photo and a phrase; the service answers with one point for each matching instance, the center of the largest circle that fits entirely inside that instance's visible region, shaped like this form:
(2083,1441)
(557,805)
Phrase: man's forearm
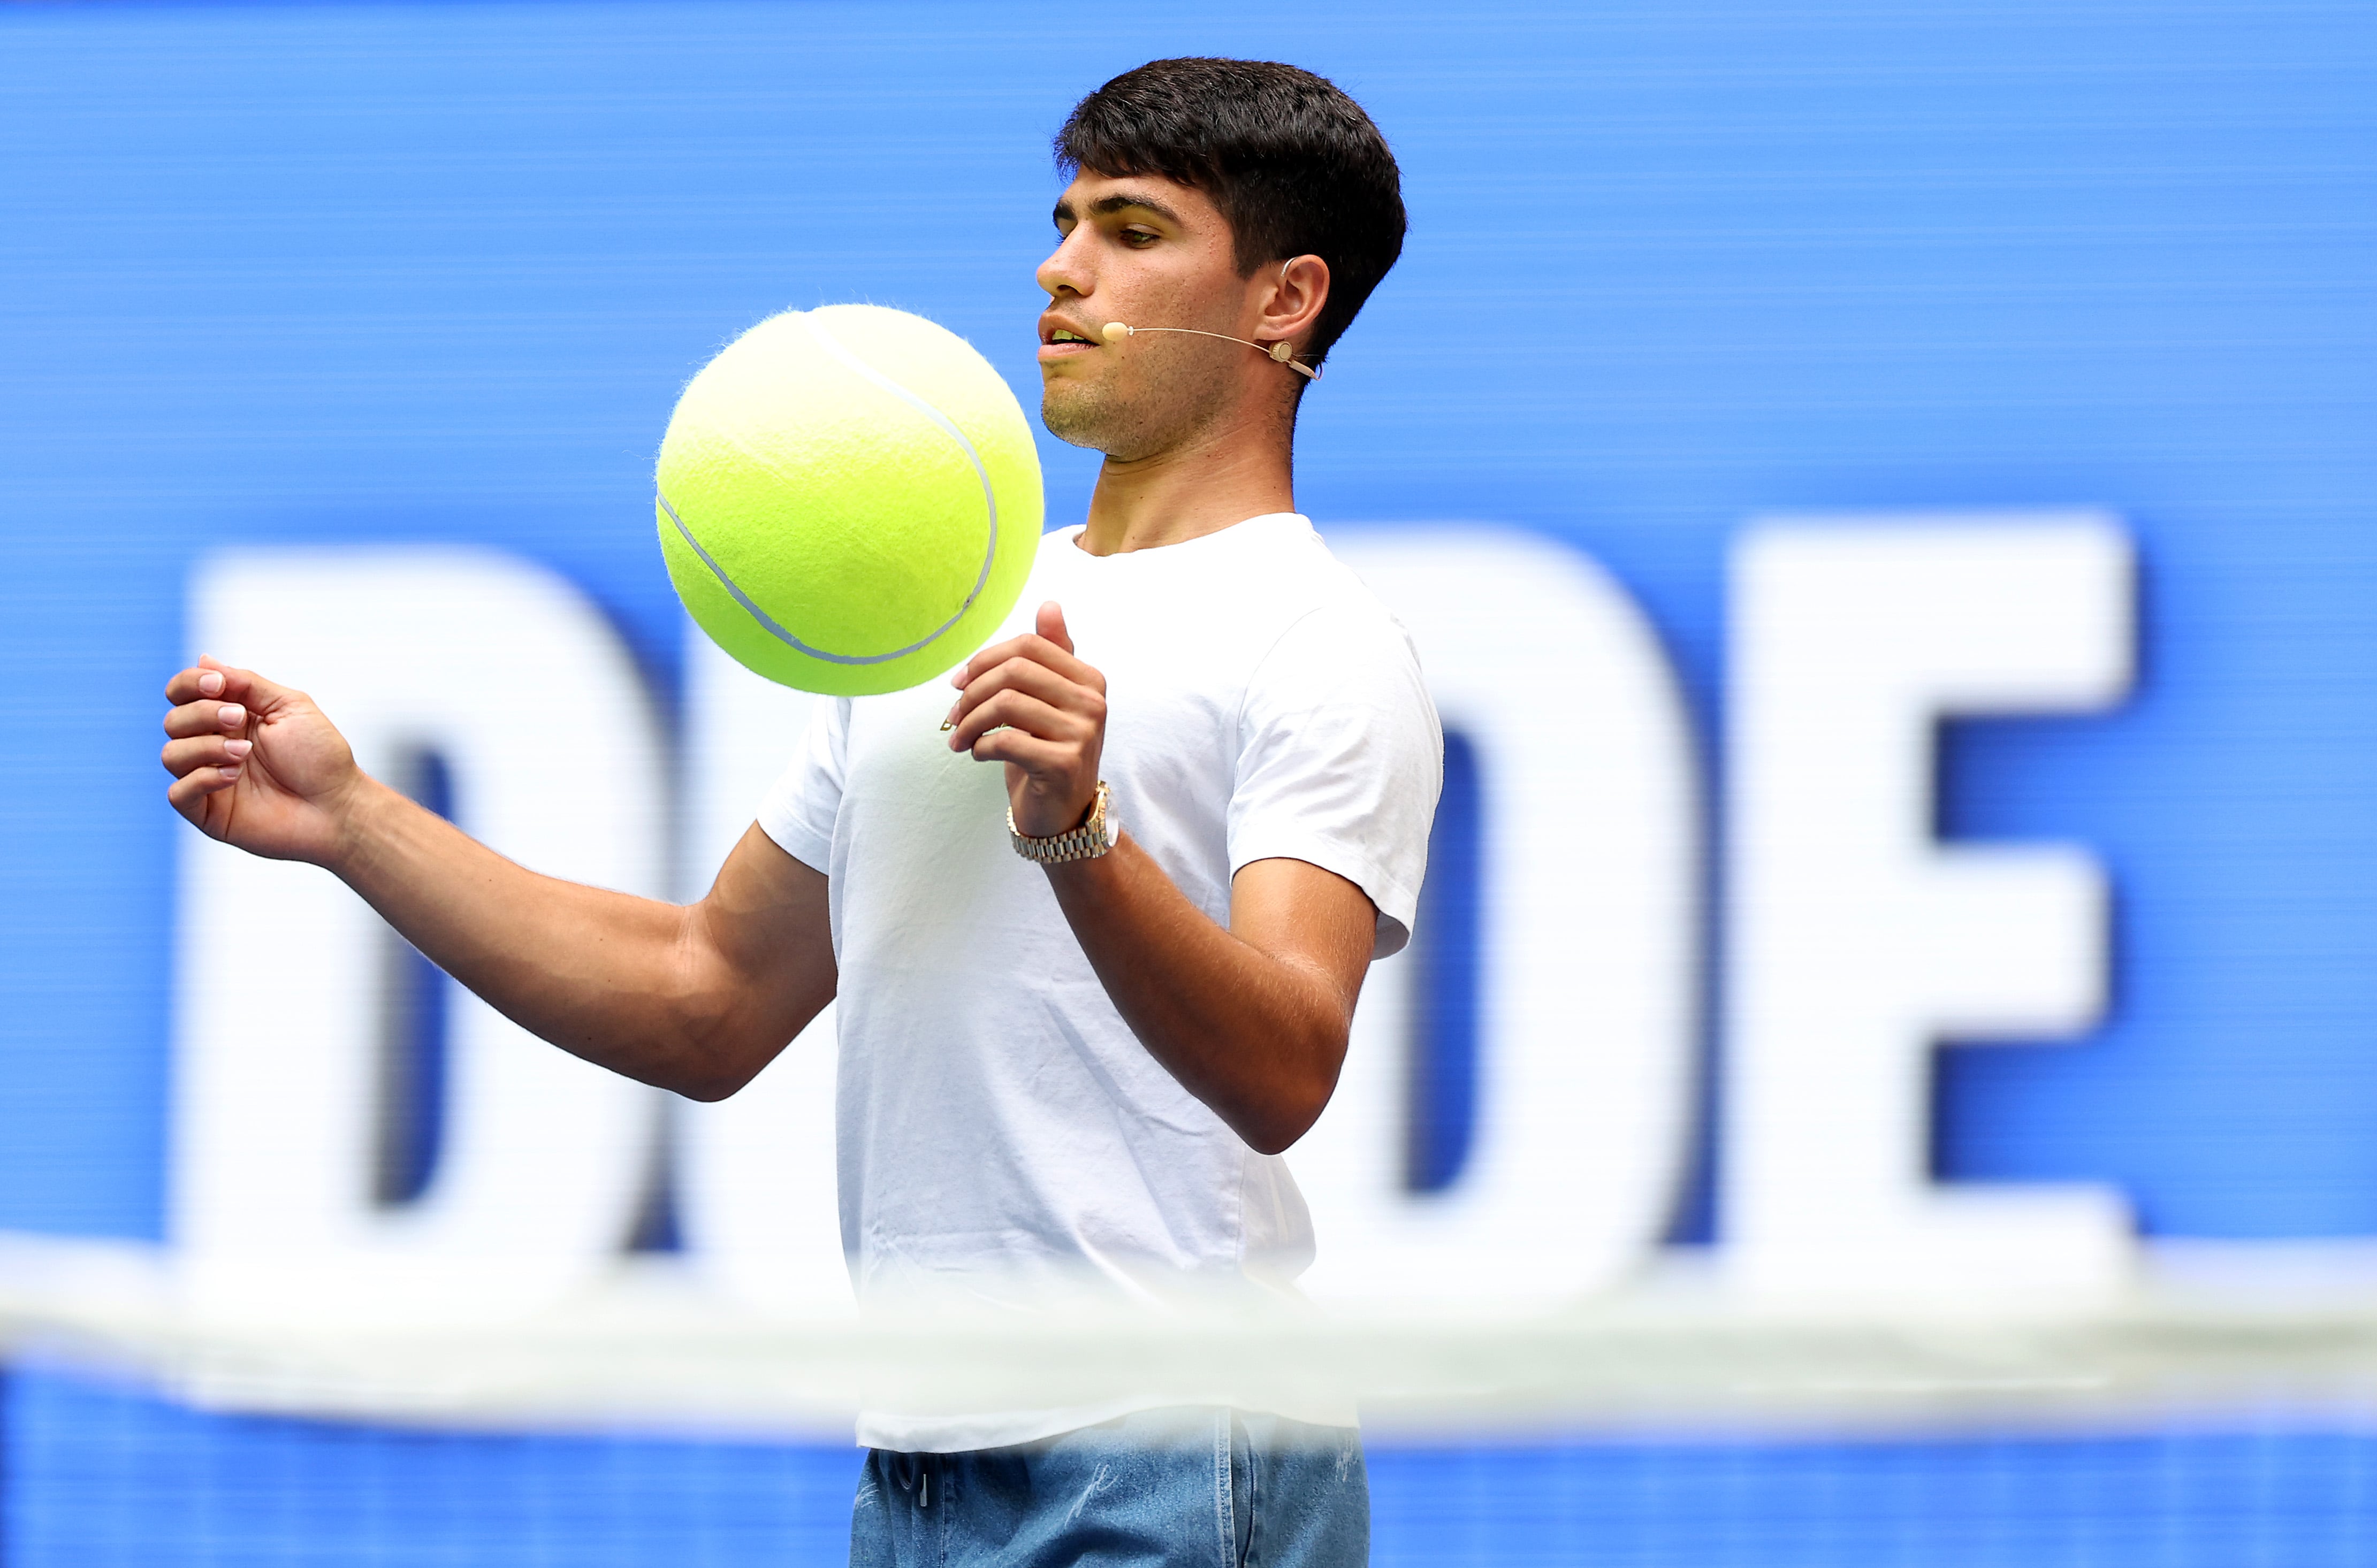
(626,982)
(1251,1020)
(1258,1038)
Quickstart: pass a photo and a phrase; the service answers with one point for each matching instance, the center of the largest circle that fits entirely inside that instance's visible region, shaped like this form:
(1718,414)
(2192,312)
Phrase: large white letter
(1587,936)
(756,1170)
(1857,941)
(518,682)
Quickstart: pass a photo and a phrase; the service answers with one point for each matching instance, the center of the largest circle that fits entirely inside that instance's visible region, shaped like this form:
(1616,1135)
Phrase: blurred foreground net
(2219,1417)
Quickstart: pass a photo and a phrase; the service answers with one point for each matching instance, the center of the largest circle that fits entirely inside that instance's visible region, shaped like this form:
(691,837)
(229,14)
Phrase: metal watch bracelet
(1093,838)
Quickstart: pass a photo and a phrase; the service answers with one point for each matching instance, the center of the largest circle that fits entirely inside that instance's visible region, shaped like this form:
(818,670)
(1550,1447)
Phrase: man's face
(1148,252)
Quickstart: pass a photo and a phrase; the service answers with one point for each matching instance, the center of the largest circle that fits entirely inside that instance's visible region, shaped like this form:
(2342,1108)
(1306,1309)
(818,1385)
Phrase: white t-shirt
(1002,1136)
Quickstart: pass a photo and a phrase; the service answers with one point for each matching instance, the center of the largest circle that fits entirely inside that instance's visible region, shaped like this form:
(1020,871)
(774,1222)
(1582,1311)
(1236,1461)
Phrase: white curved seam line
(866,371)
(767,622)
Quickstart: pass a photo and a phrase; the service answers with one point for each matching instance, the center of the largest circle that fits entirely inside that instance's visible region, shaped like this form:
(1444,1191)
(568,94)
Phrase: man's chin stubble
(1124,432)
(1097,421)
(1073,420)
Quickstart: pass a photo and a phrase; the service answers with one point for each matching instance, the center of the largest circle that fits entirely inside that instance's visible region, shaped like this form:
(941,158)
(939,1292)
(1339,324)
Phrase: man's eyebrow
(1123,202)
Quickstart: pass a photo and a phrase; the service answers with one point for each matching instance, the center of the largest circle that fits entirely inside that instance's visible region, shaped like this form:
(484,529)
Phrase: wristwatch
(1093,838)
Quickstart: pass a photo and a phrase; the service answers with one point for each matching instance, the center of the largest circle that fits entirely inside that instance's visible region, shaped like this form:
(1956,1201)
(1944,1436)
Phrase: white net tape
(2207,1328)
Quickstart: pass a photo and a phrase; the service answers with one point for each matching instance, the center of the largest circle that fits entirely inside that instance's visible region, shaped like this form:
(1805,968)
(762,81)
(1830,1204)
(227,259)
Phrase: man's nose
(1063,273)
(1056,280)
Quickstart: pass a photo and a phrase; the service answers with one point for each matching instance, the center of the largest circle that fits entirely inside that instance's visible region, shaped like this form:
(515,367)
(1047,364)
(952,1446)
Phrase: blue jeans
(1165,1489)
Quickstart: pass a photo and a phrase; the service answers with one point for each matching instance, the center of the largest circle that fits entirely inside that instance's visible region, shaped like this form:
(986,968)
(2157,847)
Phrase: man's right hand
(256,765)
(695,999)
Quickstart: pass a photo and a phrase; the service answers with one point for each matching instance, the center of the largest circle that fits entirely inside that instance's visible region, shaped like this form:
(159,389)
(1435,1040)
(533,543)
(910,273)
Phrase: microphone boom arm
(1280,352)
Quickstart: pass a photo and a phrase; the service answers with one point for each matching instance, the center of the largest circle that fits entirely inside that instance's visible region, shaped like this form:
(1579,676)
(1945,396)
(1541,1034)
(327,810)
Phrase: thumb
(1051,624)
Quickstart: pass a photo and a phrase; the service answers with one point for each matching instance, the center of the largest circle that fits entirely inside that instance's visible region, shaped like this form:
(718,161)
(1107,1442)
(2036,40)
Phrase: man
(1090,992)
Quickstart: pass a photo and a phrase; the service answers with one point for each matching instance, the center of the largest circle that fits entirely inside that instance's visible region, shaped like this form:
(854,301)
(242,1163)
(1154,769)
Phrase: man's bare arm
(1252,1020)
(696,998)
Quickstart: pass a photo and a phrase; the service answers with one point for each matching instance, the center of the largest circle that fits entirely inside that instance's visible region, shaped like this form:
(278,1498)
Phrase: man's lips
(1053,346)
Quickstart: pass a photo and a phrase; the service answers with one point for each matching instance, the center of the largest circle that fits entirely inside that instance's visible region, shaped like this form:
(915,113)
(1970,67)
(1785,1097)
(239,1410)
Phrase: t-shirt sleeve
(1339,759)
(799,809)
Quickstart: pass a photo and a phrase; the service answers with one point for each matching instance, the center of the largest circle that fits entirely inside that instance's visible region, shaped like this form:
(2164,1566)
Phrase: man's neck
(1204,486)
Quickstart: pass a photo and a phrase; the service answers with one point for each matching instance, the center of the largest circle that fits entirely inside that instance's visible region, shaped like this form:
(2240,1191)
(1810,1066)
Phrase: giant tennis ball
(848,499)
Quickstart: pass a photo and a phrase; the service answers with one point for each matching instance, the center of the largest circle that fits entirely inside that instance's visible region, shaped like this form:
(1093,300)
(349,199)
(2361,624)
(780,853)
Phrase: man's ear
(1296,293)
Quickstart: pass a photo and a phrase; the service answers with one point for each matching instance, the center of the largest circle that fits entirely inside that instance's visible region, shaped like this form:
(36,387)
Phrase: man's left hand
(1030,704)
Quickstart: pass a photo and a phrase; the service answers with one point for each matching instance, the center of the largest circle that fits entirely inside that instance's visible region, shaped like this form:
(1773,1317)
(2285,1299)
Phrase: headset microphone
(1281,352)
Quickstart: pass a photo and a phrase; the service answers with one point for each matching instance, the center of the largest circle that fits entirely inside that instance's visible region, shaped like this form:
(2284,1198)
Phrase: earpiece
(1281,352)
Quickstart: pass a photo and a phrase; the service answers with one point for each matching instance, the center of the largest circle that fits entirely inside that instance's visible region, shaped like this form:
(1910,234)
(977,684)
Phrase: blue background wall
(436,272)
(105,1478)
(296,272)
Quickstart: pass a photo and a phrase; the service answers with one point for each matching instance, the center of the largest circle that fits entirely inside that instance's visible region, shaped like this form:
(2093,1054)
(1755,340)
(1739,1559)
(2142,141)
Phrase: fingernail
(947,725)
(230,715)
(209,682)
(238,749)
(230,772)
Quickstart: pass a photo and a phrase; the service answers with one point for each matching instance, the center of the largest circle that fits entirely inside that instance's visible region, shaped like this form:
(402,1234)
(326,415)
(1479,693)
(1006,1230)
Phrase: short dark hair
(1294,164)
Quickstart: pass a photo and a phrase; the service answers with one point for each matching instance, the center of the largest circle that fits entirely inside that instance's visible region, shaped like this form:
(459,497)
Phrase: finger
(184,793)
(210,677)
(205,719)
(989,657)
(1038,680)
(1036,648)
(1022,673)
(1018,710)
(982,660)
(1027,751)
(190,684)
(1051,624)
(182,757)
